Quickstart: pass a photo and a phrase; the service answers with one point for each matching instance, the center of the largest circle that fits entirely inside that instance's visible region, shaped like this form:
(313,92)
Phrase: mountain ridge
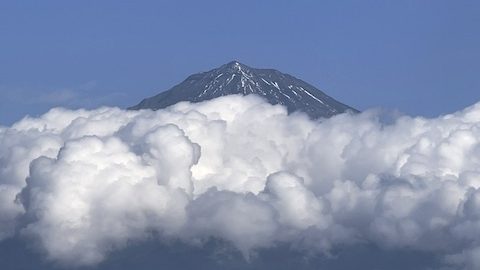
(236,78)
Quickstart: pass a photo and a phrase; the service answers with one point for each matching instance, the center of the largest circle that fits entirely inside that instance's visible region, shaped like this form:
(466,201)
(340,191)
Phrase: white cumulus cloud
(84,183)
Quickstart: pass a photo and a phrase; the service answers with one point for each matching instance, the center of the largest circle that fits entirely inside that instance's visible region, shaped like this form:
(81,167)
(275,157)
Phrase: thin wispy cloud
(81,96)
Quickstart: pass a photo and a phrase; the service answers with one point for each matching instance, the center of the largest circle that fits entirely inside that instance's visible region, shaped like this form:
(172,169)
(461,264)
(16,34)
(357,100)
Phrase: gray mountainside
(237,78)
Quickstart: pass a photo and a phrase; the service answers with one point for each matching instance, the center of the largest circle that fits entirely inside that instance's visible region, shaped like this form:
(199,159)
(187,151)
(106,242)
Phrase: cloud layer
(85,183)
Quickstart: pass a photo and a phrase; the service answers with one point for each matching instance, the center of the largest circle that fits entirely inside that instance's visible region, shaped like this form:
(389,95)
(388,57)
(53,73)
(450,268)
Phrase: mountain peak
(235,67)
(234,63)
(237,78)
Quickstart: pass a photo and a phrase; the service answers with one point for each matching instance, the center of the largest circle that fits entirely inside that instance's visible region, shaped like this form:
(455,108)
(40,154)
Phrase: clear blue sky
(420,57)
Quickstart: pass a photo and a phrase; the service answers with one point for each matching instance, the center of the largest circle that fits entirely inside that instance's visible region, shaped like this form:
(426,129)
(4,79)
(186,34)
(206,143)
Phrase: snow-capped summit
(237,78)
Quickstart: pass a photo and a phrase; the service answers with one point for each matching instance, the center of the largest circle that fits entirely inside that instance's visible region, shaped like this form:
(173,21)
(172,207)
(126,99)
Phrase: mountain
(237,78)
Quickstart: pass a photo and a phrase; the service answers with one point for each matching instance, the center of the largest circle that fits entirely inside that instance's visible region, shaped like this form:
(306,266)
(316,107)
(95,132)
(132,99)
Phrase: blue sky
(420,57)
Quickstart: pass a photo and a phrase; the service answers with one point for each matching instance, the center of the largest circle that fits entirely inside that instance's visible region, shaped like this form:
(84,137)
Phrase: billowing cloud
(85,183)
